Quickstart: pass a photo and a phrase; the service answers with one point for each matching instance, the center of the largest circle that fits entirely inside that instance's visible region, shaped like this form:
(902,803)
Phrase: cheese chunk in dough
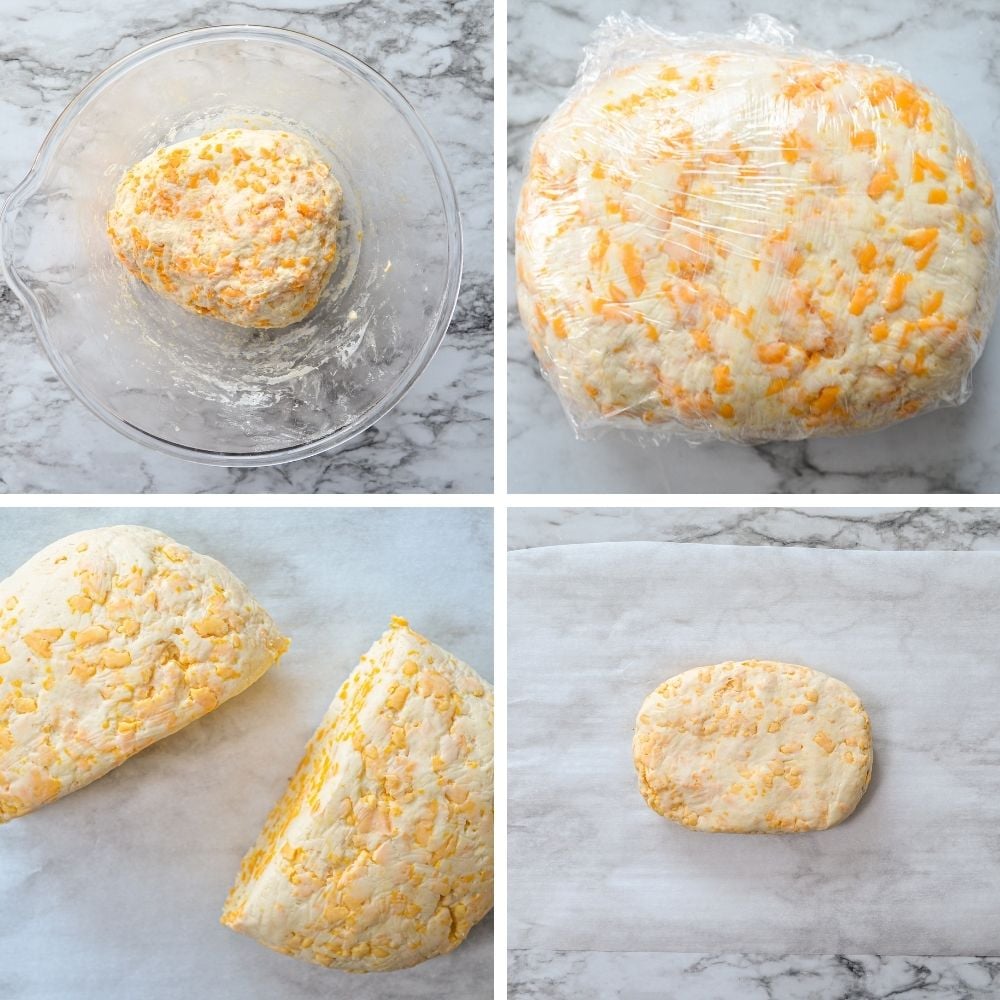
(753,747)
(380,854)
(239,224)
(755,247)
(111,639)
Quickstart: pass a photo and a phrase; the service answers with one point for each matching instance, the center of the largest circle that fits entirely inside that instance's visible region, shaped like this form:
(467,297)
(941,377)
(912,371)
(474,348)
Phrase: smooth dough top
(109,640)
(380,854)
(239,224)
(756,247)
(753,747)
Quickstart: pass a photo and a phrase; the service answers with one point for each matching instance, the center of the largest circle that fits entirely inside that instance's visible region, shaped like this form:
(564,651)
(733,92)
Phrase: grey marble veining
(588,975)
(554,975)
(115,891)
(950,48)
(439,437)
(896,528)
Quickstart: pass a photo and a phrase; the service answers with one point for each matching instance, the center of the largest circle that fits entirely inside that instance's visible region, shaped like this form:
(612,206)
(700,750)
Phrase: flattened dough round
(753,747)
(239,224)
(755,246)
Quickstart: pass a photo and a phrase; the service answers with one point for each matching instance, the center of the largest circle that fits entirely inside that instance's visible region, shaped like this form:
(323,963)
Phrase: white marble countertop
(439,438)
(950,529)
(116,890)
(600,976)
(948,47)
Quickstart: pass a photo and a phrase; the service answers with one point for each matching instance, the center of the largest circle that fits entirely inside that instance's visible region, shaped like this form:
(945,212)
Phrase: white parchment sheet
(594,628)
(115,891)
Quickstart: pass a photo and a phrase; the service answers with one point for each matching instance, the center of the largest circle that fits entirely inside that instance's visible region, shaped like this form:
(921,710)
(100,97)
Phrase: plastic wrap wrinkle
(733,237)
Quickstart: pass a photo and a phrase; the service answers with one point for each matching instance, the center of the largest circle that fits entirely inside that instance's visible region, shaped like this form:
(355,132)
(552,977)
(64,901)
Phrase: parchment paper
(115,891)
(594,628)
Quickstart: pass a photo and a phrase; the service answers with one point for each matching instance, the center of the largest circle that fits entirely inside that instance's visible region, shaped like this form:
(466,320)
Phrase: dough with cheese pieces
(111,639)
(380,853)
(753,747)
(239,224)
(755,246)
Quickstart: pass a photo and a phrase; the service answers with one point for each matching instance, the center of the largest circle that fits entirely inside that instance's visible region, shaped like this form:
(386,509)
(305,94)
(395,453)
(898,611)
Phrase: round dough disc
(756,247)
(753,747)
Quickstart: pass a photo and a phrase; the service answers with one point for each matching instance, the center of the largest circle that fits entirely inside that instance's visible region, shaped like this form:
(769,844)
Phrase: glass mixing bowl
(193,386)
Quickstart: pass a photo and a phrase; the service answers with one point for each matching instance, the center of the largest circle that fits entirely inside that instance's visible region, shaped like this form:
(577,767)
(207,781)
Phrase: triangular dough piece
(380,853)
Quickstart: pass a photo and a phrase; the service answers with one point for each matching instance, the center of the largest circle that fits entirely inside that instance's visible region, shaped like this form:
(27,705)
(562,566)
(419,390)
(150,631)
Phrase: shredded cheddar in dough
(380,853)
(753,747)
(102,656)
(239,224)
(748,244)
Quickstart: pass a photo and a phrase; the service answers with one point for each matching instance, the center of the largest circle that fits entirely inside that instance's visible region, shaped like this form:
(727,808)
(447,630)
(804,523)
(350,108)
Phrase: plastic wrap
(734,237)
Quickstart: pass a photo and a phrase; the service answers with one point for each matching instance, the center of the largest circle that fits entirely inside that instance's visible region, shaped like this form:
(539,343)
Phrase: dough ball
(239,224)
(756,247)
(753,747)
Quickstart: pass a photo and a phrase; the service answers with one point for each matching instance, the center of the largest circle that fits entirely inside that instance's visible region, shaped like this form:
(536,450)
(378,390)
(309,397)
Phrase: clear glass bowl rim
(241,32)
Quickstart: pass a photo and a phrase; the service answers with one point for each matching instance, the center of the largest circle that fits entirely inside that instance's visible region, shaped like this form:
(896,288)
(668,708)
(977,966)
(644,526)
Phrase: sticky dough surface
(756,247)
(239,224)
(753,747)
(111,639)
(380,853)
